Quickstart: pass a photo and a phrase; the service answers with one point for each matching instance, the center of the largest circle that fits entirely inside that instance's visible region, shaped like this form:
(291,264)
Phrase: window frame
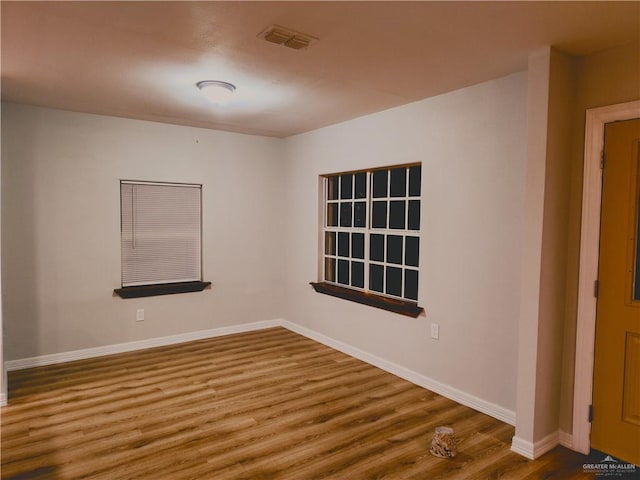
(154,288)
(365,294)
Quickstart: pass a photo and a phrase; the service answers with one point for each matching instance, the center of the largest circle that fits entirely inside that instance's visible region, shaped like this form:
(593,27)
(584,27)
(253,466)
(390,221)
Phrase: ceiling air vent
(284,36)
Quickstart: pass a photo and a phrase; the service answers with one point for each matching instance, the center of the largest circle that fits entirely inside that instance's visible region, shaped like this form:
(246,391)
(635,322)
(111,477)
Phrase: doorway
(615,425)
(596,119)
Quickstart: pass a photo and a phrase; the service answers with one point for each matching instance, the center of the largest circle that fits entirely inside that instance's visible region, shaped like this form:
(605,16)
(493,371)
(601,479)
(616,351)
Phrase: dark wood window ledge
(160,289)
(403,307)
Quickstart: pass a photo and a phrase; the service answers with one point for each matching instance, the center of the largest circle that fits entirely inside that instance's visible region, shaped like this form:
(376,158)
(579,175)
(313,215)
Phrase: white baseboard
(137,345)
(3,399)
(537,449)
(522,447)
(464,398)
(565,439)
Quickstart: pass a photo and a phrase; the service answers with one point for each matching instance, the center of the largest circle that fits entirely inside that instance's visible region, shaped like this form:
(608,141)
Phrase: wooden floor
(262,405)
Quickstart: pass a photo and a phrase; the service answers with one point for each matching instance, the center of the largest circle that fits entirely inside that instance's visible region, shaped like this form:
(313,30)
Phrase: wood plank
(259,405)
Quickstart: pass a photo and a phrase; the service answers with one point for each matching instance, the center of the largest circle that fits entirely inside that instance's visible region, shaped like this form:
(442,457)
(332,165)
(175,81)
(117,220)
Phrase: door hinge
(590,413)
(596,288)
(602,159)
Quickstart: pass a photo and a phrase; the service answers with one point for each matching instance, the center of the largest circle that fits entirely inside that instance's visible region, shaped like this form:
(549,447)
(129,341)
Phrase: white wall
(551,102)
(472,145)
(61,228)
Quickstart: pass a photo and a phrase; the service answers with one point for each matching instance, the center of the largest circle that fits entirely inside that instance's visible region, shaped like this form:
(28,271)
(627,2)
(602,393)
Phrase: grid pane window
(372,230)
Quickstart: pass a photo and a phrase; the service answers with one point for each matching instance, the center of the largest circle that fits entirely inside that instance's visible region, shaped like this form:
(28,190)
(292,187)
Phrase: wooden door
(616,395)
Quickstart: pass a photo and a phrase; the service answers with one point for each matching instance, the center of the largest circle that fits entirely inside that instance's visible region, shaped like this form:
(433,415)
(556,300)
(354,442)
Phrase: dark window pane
(412,250)
(332,188)
(330,269)
(330,243)
(379,216)
(332,215)
(394,249)
(376,246)
(345,214)
(343,244)
(346,186)
(394,281)
(411,284)
(398,182)
(380,183)
(357,245)
(357,274)
(343,272)
(396,214)
(414,214)
(376,277)
(360,214)
(414,181)
(361,185)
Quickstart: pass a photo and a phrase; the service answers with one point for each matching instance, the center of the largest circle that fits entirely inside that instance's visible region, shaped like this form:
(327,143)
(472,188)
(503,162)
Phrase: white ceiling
(142,59)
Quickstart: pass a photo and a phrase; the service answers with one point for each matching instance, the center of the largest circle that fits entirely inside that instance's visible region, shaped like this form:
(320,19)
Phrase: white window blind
(161,233)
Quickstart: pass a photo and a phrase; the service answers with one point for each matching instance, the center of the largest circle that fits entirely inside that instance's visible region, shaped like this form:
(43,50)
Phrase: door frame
(588,270)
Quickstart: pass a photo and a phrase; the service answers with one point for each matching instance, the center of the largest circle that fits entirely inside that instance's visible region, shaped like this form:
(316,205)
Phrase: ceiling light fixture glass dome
(216,91)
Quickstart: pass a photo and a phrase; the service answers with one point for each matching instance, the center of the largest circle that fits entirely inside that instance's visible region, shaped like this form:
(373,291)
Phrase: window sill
(161,289)
(402,307)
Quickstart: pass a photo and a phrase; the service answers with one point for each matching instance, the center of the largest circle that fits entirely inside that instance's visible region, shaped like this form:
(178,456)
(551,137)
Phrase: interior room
(491,114)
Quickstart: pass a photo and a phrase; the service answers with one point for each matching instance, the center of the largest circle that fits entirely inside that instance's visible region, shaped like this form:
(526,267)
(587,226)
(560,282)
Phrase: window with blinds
(161,230)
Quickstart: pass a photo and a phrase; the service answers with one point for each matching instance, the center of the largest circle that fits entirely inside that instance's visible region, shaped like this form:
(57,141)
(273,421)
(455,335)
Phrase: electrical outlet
(140,315)
(435,331)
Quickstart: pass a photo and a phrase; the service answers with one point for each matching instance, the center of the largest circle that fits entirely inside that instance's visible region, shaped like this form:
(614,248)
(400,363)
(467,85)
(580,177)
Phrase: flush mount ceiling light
(215,90)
